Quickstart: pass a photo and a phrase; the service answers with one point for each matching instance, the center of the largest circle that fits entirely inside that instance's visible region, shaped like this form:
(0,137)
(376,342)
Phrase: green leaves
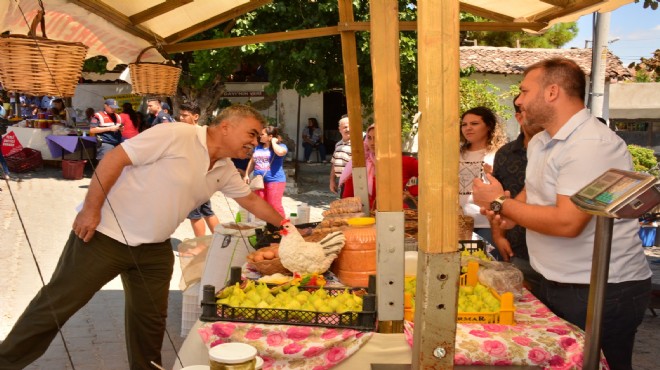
(643,159)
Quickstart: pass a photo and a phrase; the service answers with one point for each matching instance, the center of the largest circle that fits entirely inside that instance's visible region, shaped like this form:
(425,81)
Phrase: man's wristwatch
(496,205)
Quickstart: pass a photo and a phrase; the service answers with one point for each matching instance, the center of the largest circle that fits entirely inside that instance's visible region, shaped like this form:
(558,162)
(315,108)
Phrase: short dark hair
(191,107)
(154,99)
(563,72)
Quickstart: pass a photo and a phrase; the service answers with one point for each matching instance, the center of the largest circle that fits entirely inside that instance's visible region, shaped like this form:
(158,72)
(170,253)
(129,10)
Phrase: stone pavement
(95,335)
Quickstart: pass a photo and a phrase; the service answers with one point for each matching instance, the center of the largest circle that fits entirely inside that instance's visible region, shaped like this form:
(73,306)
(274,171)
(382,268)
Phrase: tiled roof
(501,60)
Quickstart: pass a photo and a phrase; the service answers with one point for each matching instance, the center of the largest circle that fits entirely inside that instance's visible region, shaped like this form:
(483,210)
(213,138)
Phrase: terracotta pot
(357,260)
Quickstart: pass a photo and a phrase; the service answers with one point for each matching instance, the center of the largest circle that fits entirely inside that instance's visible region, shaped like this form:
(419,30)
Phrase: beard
(538,115)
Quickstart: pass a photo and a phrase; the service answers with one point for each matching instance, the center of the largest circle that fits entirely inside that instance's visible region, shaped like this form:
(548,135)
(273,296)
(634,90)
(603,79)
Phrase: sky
(638,30)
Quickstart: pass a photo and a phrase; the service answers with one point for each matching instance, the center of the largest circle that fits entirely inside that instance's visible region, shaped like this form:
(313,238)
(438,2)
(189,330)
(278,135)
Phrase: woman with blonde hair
(481,136)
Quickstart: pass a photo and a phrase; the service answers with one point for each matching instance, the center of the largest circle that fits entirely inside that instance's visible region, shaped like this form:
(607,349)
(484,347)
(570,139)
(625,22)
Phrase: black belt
(566,285)
(622,284)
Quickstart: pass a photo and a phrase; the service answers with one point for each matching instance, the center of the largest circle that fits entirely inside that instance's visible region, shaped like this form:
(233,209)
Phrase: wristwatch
(496,205)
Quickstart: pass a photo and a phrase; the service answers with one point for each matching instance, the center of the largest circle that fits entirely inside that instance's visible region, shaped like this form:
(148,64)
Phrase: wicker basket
(39,66)
(269,267)
(154,78)
(465,227)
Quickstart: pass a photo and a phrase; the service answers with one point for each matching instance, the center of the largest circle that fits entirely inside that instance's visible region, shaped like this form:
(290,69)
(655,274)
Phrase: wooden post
(353,103)
(438,270)
(385,65)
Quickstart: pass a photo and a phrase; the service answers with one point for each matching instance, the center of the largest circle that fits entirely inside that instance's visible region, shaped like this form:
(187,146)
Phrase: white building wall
(91,95)
(284,110)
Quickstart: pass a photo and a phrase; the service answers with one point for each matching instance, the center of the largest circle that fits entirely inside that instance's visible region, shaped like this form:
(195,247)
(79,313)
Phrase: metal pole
(598,63)
(600,268)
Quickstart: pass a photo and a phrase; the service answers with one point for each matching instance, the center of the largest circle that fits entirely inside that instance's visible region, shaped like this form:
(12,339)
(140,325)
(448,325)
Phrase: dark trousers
(623,312)
(309,147)
(3,163)
(83,269)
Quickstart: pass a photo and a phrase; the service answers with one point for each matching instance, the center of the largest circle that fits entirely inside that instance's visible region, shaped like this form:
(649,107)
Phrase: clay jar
(357,260)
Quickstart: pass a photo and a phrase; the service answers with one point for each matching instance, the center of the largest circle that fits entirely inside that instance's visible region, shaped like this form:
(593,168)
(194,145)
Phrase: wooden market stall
(121,29)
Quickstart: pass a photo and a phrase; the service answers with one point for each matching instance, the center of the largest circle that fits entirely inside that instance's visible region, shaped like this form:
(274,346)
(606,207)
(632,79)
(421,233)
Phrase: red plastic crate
(26,160)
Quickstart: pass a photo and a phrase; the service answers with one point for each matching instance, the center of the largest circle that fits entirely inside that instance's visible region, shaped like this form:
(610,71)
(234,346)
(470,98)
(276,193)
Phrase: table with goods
(51,137)
(322,319)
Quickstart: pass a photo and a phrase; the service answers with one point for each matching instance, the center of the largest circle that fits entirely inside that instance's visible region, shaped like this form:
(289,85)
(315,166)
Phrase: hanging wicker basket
(154,78)
(39,66)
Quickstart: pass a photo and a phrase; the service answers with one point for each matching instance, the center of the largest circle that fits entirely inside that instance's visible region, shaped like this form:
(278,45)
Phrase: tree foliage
(315,65)
(648,69)
(557,36)
(653,4)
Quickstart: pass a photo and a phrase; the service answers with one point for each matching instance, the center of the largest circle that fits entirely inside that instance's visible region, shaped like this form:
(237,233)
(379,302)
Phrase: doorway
(334,106)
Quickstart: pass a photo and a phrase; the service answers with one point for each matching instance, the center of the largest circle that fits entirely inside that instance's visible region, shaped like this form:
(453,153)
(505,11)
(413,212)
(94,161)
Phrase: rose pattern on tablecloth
(287,346)
(539,338)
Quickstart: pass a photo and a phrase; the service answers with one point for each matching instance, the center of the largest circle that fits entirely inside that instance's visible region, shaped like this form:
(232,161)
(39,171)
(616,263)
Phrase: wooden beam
(502,26)
(464,26)
(385,66)
(118,19)
(216,20)
(553,13)
(559,3)
(352,84)
(366,26)
(246,40)
(485,13)
(157,10)
(438,81)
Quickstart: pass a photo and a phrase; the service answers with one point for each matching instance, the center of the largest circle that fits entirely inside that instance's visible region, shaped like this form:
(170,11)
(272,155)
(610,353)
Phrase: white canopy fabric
(120,29)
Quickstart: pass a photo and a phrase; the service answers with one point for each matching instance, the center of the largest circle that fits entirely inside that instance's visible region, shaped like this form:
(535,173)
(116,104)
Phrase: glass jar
(233,356)
(357,260)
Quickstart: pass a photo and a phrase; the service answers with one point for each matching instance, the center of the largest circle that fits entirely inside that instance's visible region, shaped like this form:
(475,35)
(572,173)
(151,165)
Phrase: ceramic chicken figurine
(299,256)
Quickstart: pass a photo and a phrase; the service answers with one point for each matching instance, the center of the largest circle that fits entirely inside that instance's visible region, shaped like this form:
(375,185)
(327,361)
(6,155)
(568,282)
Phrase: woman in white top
(481,136)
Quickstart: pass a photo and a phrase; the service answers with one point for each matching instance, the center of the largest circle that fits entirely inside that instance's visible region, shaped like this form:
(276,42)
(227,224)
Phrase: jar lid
(361,221)
(260,363)
(232,353)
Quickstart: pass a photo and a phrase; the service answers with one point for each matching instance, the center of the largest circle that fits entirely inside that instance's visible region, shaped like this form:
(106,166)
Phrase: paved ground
(94,336)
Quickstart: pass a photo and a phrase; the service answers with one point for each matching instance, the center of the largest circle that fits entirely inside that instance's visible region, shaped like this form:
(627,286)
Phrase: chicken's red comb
(286,220)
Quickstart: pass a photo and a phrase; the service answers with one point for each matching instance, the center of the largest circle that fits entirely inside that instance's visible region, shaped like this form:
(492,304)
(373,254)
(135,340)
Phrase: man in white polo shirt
(574,149)
(138,196)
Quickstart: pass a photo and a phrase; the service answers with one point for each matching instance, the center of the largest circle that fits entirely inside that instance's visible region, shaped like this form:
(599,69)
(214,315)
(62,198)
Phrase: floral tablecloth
(286,346)
(539,338)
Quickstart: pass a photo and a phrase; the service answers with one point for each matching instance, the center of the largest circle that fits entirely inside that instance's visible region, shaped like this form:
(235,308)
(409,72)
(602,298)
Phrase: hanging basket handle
(38,19)
(142,52)
(168,61)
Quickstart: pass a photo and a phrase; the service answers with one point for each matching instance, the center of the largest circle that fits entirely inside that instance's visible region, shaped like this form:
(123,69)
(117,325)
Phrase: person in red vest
(107,127)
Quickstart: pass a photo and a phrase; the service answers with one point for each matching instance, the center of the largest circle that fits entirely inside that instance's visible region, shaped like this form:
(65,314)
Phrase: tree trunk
(207,98)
